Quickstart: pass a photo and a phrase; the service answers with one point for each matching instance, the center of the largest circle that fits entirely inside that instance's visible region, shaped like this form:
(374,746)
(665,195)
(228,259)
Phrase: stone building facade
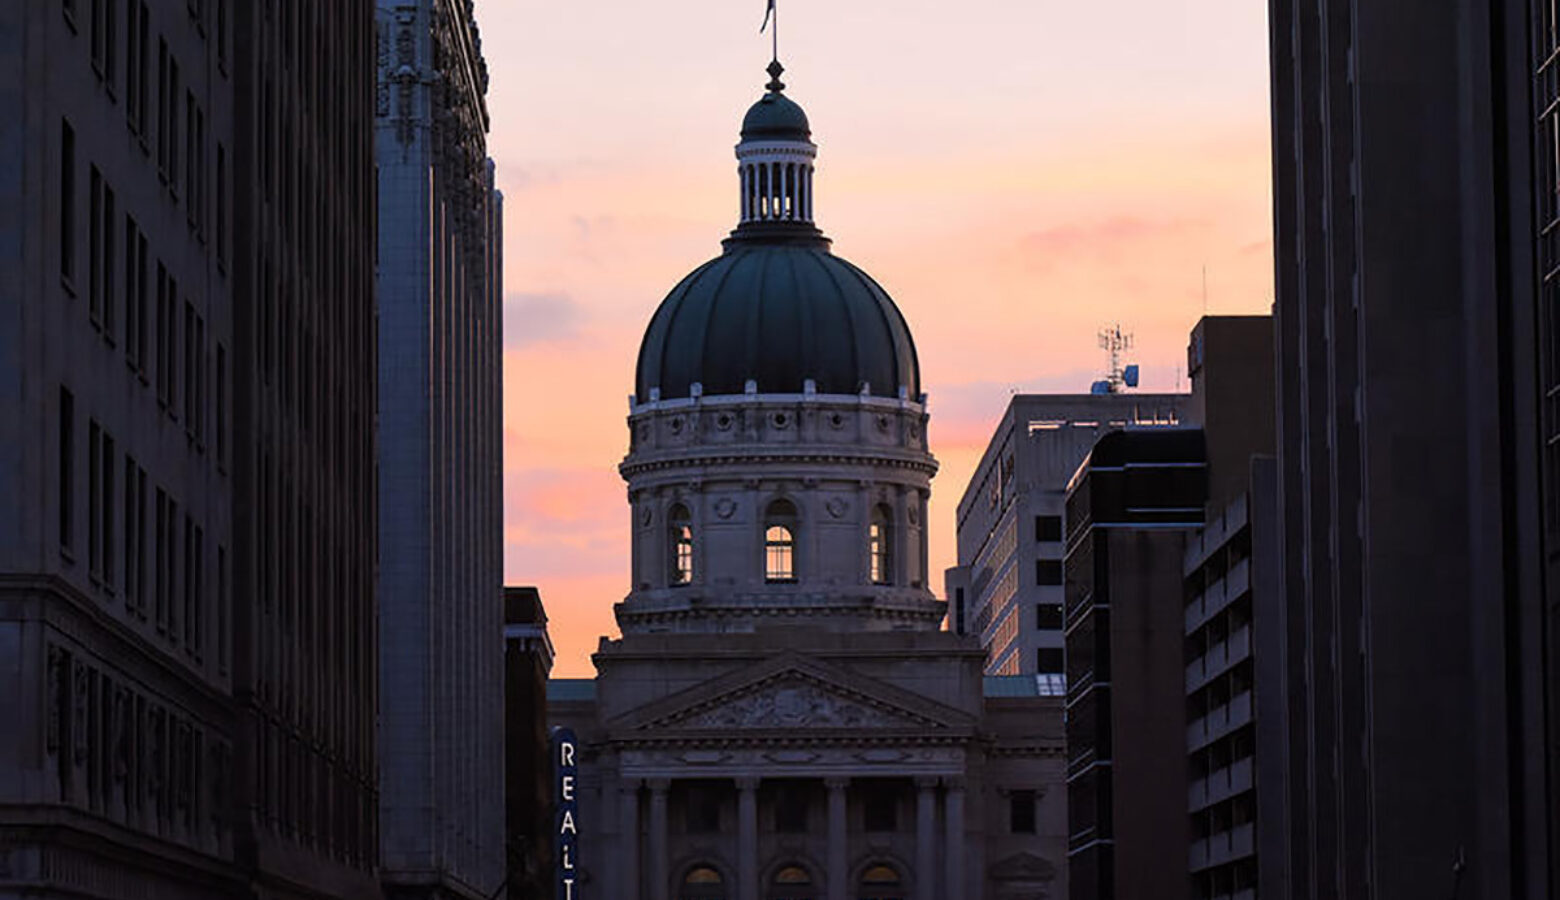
(303,404)
(116,536)
(784,715)
(441,727)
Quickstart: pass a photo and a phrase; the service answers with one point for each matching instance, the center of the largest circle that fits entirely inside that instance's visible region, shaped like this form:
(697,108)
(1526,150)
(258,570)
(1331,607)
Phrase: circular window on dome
(836,421)
(883,423)
(724,421)
(676,424)
(781,420)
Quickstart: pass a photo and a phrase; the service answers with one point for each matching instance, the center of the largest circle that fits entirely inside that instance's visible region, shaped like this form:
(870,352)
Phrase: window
(167,337)
(67,464)
(1048,572)
(135,536)
(195,164)
(191,367)
(222,404)
(194,584)
(1048,528)
(791,811)
(67,201)
(167,561)
(1021,812)
(103,41)
(880,811)
(680,523)
(880,882)
(780,542)
(1049,661)
(222,204)
(101,464)
(223,601)
(702,883)
(791,881)
(135,297)
(101,227)
(222,35)
(136,34)
(880,546)
(168,96)
(701,815)
(1048,616)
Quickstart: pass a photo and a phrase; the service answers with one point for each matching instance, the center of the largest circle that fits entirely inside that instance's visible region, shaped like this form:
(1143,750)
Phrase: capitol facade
(784,715)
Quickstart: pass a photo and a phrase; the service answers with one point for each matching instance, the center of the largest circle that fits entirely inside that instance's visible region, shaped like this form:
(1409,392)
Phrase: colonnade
(939,867)
(777,191)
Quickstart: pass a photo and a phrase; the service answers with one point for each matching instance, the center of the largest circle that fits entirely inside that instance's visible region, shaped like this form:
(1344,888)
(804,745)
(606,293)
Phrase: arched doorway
(702,883)
(881,882)
(791,882)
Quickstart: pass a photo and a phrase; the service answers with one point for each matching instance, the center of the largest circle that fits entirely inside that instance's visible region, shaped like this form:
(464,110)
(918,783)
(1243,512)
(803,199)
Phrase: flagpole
(776,35)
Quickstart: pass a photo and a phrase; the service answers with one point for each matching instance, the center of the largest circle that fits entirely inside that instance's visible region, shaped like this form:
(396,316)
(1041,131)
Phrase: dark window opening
(1021,812)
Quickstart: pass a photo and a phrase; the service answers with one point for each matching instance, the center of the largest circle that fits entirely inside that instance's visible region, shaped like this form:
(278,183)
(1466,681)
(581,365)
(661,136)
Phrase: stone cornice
(687,458)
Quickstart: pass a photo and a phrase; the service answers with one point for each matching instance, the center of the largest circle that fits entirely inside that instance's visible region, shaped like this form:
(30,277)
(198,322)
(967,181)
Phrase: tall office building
(1007,588)
(117,543)
(303,386)
(441,622)
(1415,300)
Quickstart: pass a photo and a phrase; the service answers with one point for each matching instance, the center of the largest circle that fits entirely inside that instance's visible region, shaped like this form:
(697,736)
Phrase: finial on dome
(775,70)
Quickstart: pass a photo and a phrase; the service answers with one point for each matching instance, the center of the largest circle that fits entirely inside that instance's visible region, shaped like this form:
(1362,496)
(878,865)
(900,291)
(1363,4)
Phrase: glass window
(702,883)
(791,882)
(1021,812)
(791,811)
(1048,528)
(780,542)
(1048,572)
(880,544)
(681,556)
(880,882)
(1048,616)
(880,810)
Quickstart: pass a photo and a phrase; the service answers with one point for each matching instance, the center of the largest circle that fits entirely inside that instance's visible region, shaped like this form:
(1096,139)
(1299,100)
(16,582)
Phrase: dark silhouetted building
(1416,297)
(304,370)
(117,535)
(1007,588)
(528,769)
(441,615)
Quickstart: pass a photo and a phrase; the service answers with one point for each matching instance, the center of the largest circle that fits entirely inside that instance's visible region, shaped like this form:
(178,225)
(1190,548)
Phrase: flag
(769,12)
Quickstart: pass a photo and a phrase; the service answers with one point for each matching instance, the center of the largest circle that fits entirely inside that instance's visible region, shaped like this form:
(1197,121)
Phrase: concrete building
(303,382)
(528,769)
(117,539)
(441,594)
(1415,303)
(1007,588)
(783,715)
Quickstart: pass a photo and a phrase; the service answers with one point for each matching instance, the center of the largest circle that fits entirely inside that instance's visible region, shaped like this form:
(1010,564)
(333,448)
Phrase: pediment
(795,693)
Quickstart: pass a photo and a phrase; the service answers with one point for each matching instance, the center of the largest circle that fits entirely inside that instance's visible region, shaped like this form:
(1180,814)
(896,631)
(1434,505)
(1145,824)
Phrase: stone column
(747,839)
(657,867)
(953,841)
(839,837)
(926,868)
(628,839)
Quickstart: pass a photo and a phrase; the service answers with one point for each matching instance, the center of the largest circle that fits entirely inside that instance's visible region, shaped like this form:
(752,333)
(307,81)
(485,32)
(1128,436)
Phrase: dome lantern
(775,163)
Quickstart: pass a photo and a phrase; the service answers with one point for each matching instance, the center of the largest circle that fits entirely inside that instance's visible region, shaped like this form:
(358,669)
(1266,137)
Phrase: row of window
(172,131)
(780,529)
(120,505)
(123,273)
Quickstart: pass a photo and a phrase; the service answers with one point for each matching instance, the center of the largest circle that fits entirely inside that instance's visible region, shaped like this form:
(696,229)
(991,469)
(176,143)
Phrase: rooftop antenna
(1113,341)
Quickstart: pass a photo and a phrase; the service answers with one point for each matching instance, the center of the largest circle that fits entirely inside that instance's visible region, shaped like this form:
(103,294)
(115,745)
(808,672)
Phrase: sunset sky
(1016,173)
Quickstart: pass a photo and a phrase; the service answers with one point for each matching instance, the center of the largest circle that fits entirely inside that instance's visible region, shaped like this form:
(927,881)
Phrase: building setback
(303,403)
(441,594)
(1007,588)
(1415,301)
(117,541)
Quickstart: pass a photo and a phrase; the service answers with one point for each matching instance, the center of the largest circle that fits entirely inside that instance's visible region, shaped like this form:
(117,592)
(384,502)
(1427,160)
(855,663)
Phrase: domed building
(784,715)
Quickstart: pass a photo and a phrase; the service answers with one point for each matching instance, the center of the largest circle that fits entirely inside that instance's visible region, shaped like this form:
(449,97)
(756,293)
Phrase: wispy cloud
(535,318)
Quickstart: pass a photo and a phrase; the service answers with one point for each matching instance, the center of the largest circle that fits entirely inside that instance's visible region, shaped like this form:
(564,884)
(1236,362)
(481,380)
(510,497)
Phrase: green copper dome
(776,117)
(778,314)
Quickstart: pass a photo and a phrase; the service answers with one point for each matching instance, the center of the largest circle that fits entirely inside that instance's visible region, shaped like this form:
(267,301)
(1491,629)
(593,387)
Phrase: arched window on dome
(791,882)
(680,551)
(881,882)
(780,542)
(880,545)
(702,883)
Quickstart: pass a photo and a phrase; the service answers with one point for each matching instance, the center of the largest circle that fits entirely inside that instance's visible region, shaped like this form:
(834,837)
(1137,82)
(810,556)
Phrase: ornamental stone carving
(792,705)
